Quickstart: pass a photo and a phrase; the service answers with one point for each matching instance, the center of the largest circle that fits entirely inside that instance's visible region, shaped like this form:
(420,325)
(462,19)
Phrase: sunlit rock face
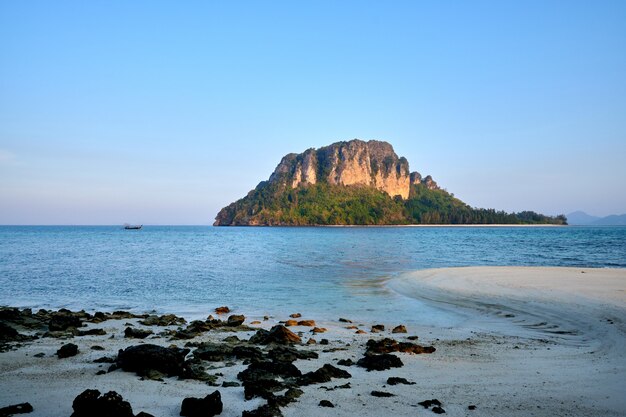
(356,162)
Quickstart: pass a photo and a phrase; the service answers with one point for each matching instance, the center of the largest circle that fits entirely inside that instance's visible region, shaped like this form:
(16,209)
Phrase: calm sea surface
(321,271)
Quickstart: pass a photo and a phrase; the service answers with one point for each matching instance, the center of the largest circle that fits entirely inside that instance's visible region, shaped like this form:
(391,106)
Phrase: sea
(324,272)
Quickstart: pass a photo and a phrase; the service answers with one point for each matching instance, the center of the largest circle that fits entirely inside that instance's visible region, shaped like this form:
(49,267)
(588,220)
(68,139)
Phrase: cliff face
(343,183)
(373,163)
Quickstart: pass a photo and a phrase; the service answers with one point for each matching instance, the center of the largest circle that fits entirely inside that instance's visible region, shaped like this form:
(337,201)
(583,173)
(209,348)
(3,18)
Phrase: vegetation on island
(327,204)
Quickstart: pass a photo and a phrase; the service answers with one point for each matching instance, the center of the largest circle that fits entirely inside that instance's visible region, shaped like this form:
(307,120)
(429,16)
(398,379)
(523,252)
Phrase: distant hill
(357,183)
(580,218)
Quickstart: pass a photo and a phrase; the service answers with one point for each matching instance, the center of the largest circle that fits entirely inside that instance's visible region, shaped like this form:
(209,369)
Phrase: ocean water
(325,272)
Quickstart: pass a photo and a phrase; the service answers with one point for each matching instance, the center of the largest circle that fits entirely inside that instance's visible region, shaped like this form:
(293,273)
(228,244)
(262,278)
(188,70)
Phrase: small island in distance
(358,183)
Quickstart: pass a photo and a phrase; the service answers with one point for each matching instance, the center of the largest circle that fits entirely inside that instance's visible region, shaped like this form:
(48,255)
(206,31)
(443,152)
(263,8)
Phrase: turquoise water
(322,271)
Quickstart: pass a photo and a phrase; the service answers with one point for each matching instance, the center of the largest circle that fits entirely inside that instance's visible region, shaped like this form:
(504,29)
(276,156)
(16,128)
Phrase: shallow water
(326,272)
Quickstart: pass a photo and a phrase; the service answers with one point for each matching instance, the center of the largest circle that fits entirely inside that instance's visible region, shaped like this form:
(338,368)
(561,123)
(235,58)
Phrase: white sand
(534,342)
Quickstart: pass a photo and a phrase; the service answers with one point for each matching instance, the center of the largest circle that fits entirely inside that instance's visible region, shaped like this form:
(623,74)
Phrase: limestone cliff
(357,183)
(373,164)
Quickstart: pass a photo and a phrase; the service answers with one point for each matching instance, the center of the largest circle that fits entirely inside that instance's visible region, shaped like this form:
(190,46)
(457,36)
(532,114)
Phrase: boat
(133,226)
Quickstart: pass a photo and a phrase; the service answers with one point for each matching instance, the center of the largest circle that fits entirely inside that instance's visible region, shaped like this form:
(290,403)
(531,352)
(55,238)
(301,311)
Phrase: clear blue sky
(163,112)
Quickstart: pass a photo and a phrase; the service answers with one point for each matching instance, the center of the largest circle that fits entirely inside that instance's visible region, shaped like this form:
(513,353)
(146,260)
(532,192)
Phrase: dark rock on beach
(7,332)
(323,374)
(67,350)
(388,345)
(261,378)
(326,403)
(430,403)
(247,352)
(378,328)
(193,369)
(290,354)
(211,405)
(381,394)
(91,404)
(379,362)
(265,410)
(63,320)
(22,408)
(278,334)
(214,352)
(392,380)
(142,358)
(235,320)
(136,333)
(91,332)
(399,329)
(222,310)
(164,320)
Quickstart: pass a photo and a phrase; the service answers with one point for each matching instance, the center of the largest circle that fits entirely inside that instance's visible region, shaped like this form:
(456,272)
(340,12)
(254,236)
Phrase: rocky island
(357,183)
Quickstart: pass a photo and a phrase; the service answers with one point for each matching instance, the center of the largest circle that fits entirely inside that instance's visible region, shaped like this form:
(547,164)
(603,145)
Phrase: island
(358,183)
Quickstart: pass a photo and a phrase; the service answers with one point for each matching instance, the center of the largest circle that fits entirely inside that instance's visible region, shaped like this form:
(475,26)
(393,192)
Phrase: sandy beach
(532,342)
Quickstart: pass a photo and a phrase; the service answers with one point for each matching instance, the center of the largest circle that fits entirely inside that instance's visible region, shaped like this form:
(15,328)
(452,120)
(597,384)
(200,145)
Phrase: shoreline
(515,350)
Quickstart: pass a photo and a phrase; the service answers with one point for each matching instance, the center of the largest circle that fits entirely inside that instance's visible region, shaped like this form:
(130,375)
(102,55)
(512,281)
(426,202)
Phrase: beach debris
(342,320)
(222,310)
(326,403)
(142,358)
(295,315)
(235,320)
(255,322)
(22,408)
(399,329)
(394,380)
(136,333)
(381,394)
(360,331)
(378,328)
(266,410)
(323,374)
(164,320)
(278,334)
(211,405)
(67,350)
(388,345)
(90,404)
(381,362)
(471,407)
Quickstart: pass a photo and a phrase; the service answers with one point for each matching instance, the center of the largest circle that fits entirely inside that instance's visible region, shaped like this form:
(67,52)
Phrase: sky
(163,112)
